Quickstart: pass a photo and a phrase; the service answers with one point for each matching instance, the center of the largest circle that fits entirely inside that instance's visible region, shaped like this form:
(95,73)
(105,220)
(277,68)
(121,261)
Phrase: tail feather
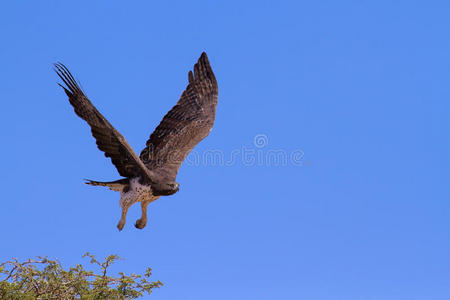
(117,185)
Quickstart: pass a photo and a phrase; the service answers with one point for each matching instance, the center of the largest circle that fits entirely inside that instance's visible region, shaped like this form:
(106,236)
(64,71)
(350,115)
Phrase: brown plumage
(153,173)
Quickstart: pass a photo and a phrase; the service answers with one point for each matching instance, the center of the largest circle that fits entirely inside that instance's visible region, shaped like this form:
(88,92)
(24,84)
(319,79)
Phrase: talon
(140,224)
(120,225)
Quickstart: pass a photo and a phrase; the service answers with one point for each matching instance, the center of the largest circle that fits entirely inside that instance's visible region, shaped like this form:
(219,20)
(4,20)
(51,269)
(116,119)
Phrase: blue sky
(360,88)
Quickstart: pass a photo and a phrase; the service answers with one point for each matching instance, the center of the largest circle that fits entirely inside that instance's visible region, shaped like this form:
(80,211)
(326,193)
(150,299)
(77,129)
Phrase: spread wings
(109,140)
(181,129)
(185,125)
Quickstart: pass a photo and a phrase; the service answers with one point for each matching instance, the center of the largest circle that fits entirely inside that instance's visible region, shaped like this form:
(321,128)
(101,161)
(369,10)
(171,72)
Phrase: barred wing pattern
(108,139)
(185,125)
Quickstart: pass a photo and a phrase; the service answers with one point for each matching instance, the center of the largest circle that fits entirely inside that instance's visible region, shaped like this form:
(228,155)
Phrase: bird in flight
(151,174)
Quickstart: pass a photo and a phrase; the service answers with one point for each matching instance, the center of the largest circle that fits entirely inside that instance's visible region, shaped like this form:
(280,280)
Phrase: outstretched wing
(109,140)
(185,125)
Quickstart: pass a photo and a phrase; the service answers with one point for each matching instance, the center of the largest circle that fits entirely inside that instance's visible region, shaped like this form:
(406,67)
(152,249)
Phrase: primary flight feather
(151,174)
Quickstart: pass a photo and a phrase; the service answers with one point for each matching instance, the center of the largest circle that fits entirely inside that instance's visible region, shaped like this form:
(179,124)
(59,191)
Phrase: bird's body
(153,173)
(131,192)
(136,192)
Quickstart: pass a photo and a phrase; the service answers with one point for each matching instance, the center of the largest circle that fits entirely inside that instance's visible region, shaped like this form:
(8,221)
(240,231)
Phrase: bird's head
(165,189)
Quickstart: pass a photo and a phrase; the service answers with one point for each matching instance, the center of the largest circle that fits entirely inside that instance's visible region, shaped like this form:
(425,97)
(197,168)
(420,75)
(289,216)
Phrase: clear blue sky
(360,87)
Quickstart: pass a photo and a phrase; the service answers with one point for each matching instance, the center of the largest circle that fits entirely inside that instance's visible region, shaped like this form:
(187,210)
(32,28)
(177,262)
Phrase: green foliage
(46,279)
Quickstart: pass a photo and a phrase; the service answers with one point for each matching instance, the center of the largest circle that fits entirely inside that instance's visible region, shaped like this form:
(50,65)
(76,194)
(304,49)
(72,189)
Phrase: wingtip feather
(203,58)
(64,74)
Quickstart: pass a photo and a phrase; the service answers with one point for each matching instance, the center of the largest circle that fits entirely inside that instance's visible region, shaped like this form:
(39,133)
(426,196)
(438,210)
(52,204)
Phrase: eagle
(152,174)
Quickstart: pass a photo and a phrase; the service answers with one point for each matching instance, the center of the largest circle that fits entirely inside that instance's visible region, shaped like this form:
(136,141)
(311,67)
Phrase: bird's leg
(143,220)
(123,218)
